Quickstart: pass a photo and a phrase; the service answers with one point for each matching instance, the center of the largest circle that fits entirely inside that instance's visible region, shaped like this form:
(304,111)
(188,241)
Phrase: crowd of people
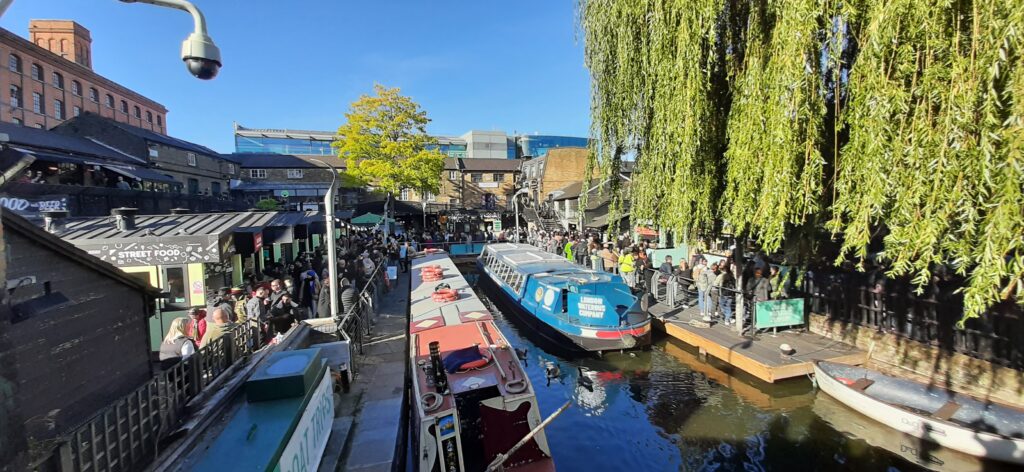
(285,293)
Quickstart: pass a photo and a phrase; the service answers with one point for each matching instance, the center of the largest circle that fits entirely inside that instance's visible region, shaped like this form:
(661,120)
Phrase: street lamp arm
(332,254)
(183,5)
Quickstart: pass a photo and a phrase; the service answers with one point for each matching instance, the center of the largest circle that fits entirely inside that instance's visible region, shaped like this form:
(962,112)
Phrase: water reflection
(667,409)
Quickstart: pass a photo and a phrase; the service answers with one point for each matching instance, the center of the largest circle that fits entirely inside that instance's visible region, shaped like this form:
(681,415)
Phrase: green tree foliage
(384,143)
(898,119)
(268,204)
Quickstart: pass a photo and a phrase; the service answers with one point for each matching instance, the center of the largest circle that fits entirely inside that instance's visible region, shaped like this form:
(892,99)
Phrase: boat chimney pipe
(440,376)
(53,220)
(124,218)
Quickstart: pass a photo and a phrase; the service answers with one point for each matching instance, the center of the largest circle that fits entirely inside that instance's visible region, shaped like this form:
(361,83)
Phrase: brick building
(49,79)
(201,170)
(471,183)
(295,180)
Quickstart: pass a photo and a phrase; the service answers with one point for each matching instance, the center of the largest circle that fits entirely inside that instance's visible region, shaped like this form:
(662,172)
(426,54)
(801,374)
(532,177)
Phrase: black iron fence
(930,317)
(127,434)
(98,201)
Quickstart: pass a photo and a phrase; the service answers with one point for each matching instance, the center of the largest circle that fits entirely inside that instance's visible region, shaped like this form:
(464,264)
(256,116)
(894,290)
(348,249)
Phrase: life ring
(516,386)
(445,295)
(431,401)
(477,364)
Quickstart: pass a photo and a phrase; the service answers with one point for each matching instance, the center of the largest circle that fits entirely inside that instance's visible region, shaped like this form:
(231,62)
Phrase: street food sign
(306,446)
(778,313)
(154,253)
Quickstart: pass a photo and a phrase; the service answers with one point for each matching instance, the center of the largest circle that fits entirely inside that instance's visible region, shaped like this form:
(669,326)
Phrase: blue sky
(515,66)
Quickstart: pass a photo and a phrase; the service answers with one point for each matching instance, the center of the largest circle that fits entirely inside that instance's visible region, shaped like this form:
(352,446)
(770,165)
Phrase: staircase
(546,224)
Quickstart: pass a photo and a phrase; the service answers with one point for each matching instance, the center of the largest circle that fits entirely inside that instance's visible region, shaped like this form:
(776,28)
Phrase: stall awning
(144,174)
(369,219)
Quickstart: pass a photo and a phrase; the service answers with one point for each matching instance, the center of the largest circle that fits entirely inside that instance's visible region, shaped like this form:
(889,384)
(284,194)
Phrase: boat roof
(552,268)
(425,313)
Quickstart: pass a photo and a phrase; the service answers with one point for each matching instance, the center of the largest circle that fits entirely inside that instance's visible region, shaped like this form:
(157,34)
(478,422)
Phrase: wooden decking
(759,356)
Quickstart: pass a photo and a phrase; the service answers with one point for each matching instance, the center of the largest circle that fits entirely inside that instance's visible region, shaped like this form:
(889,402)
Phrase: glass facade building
(450,149)
(538,146)
(275,145)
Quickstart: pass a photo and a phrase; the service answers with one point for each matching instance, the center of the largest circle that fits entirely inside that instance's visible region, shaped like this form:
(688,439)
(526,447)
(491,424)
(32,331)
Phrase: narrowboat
(473,400)
(956,421)
(565,302)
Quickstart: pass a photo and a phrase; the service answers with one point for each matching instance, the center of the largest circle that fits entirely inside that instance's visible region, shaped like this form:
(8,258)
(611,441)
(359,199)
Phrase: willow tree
(384,143)
(726,105)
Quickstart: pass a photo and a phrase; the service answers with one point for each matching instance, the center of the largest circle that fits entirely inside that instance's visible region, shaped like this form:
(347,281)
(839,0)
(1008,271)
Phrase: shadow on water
(668,409)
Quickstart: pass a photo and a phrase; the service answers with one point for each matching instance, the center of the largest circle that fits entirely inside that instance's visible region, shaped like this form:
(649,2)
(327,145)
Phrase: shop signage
(776,313)
(34,206)
(157,253)
(487,184)
(306,446)
(257,240)
(591,307)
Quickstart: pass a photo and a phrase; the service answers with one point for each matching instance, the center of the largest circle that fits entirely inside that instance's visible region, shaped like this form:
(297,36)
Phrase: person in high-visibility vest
(627,267)
(568,250)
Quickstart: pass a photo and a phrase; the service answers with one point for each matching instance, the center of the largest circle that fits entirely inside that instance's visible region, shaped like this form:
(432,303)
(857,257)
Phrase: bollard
(345,380)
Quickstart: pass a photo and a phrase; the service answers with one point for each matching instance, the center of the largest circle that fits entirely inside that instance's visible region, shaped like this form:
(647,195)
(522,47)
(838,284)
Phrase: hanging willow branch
(722,103)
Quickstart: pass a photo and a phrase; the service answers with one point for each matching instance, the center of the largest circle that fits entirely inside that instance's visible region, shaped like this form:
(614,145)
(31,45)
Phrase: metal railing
(127,434)
(929,318)
(357,320)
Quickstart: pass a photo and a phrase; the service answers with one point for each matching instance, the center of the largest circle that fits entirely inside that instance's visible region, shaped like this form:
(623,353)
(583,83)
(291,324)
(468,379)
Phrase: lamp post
(515,203)
(332,251)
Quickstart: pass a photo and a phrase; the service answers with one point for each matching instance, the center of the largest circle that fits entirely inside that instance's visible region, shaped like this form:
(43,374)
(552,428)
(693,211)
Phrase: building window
(499,177)
(191,157)
(258,173)
(37,72)
(18,121)
(159,121)
(124,107)
(215,188)
(429,197)
(294,173)
(153,152)
(76,110)
(37,103)
(58,109)
(76,88)
(231,169)
(94,95)
(453,174)
(138,113)
(193,186)
(405,194)
(110,100)
(149,117)
(476,177)
(14,63)
(58,80)
(15,96)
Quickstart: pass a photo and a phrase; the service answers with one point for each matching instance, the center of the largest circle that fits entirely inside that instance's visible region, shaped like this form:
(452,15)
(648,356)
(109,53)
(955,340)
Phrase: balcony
(98,201)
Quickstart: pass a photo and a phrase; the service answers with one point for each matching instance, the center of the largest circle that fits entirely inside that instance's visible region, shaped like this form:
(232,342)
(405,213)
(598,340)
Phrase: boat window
(565,301)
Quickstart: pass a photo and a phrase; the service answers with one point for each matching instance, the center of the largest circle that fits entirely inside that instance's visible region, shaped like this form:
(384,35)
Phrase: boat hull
(639,339)
(944,433)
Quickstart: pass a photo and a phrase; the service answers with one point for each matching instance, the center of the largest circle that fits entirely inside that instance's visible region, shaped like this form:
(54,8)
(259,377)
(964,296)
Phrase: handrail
(371,281)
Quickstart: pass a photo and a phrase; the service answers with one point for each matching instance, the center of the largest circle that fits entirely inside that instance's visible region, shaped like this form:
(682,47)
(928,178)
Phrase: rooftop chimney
(64,38)
(53,220)
(180,211)
(124,218)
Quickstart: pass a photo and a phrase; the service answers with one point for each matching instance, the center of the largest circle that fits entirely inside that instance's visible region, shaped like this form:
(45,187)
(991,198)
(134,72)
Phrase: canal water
(666,409)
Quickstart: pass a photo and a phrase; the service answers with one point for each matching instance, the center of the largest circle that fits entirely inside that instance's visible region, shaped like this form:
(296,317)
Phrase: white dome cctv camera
(201,56)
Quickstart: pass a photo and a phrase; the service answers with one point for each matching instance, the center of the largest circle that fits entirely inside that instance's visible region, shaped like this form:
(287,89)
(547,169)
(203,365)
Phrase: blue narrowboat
(595,311)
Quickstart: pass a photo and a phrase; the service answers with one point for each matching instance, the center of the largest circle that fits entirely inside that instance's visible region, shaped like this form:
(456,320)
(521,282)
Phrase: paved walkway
(376,402)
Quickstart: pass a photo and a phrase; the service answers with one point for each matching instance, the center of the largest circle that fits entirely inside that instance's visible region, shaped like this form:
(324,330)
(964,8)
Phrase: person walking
(627,267)
(726,285)
(705,278)
(176,346)
(403,256)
